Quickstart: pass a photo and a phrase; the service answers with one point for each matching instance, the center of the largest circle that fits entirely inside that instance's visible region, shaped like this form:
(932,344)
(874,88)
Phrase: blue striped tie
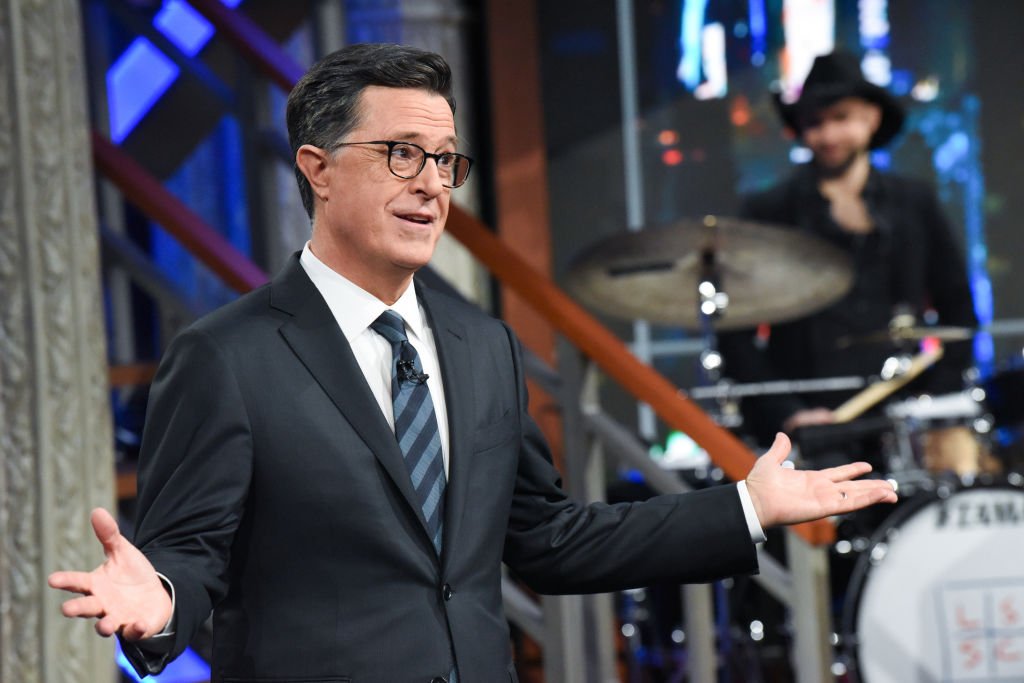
(415,423)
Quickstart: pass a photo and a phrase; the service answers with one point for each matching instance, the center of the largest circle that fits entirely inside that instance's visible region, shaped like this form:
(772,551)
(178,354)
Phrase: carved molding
(56,455)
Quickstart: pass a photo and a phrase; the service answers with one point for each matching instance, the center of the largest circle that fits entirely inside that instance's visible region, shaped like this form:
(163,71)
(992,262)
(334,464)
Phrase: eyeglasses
(406,160)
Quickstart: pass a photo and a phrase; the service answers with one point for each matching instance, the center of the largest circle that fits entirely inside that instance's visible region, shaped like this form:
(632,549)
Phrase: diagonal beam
(252,41)
(153,199)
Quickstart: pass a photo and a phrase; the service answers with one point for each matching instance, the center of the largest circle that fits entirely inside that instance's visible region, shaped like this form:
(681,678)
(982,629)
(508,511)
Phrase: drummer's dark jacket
(911,259)
(272,492)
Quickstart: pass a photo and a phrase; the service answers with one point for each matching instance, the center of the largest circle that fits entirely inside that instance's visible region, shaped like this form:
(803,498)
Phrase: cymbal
(895,335)
(770,273)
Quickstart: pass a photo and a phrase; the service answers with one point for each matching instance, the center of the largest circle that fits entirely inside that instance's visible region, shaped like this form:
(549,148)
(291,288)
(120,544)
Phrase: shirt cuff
(161,643)
(753,523)
(151,655)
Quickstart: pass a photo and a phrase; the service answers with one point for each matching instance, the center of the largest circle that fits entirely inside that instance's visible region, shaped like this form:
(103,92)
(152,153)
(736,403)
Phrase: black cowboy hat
(836,76)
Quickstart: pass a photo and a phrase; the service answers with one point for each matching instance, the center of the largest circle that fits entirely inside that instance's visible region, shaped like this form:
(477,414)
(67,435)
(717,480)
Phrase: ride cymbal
(769,273)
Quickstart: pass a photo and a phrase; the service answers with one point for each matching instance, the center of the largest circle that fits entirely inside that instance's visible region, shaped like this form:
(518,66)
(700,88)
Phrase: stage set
(709,221)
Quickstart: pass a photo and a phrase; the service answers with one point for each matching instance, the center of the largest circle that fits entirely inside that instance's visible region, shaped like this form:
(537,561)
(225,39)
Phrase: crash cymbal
(770,273)
(896,335)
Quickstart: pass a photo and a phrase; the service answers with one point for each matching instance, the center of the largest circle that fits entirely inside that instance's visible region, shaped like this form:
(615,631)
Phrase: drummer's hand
(811,416)
(782,495)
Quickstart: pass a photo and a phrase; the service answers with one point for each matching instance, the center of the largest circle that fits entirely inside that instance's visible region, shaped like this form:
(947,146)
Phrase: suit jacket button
(447,592)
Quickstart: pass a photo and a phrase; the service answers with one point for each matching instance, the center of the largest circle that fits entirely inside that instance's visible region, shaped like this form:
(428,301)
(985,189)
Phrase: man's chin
(834,168)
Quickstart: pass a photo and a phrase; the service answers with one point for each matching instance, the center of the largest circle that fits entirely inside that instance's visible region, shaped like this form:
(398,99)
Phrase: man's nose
(429,179)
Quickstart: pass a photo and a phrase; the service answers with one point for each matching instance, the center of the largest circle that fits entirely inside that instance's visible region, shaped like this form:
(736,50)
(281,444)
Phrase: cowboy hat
(833,77)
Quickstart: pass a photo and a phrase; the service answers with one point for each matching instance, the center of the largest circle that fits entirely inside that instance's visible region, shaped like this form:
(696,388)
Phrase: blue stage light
(188,668)
(142,74)
(134,83)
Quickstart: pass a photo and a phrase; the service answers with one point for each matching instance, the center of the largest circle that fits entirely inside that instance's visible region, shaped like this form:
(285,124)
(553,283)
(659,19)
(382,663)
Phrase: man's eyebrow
(416,137)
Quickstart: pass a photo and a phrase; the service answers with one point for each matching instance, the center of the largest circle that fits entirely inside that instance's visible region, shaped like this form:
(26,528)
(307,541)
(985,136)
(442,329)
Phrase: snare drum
(941,433)
(939,593)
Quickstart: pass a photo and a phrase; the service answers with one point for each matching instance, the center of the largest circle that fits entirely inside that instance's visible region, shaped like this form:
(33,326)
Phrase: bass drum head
(939,594)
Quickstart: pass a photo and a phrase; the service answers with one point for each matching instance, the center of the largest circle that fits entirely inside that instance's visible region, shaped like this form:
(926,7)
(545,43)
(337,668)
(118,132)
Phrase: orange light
(667,138)
(672,157)
(740,114)
(740,117)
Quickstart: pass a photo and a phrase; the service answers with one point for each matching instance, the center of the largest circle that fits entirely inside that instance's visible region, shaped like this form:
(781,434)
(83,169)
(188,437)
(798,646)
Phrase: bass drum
(939,593)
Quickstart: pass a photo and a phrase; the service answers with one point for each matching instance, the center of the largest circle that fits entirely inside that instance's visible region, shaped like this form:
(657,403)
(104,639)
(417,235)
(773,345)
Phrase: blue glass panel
(134,83)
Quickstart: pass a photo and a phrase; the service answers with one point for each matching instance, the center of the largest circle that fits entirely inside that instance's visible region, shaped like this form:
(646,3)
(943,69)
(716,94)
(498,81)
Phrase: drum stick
(870,396)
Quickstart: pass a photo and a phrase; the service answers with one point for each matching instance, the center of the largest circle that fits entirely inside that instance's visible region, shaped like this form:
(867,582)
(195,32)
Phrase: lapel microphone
(407,373)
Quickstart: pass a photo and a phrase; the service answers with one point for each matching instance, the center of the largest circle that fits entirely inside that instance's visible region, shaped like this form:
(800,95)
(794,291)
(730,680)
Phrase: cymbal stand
(712,302)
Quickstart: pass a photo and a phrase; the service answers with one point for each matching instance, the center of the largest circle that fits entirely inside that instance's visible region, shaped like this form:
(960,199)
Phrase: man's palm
(124,593)
(783,495)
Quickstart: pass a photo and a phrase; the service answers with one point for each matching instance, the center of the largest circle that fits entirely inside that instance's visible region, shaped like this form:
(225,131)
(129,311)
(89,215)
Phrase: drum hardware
(821,443)
(941,433)
(727,389)
(721,399)
(875,393)
(898,336)
(759,273)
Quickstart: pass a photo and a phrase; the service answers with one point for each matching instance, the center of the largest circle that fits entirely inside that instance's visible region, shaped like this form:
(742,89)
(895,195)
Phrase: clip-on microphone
(407,372)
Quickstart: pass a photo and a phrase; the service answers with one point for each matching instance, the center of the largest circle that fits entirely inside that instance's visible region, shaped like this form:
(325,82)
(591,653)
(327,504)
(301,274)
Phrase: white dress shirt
(355,309)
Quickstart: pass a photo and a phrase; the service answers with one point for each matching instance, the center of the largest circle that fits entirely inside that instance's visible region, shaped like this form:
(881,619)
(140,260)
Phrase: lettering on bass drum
(962,512)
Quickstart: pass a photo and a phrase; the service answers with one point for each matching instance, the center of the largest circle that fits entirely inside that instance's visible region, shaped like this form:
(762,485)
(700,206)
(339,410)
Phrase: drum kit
(935,588)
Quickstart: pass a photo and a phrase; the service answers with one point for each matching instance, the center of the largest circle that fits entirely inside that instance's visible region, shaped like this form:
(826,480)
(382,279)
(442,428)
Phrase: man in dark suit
(337,463)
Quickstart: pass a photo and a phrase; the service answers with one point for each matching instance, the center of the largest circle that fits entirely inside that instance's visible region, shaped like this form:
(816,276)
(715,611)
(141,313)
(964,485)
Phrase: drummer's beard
(837,170)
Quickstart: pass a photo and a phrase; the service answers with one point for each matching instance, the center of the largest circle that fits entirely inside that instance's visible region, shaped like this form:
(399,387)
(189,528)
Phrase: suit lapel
(314,336)
(453,353)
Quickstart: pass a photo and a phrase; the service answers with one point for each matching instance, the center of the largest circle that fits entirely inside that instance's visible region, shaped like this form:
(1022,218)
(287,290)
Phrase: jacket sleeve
(194,475)
(560,546)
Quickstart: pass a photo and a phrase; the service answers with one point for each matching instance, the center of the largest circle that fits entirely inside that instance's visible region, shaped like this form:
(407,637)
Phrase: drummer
(905,258)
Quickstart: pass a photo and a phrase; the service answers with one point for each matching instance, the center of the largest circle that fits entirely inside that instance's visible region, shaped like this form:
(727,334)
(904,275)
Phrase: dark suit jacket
(273,492)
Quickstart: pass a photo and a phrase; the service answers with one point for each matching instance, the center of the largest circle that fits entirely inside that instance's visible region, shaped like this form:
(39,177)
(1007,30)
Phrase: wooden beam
(153,199)
(521,182)
(136,374)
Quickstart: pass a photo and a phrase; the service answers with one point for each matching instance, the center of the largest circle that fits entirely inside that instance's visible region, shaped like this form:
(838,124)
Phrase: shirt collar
(354,308)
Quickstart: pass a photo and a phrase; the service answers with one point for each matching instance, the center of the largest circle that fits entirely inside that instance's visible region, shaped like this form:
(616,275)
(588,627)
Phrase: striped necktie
(415,423)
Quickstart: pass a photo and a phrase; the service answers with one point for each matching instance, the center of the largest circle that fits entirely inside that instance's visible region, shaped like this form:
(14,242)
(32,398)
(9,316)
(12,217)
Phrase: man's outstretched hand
(124,593)
(782,495)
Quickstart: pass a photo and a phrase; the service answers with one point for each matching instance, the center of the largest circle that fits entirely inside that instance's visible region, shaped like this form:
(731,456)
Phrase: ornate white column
(56,454)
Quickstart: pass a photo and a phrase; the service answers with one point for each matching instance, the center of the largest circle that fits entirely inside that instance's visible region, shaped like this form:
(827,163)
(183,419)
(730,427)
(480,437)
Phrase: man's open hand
(782,495)
(124,593)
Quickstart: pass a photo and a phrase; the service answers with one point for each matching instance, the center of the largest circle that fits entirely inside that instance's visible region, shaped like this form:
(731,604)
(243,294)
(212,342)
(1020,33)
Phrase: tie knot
(391,326)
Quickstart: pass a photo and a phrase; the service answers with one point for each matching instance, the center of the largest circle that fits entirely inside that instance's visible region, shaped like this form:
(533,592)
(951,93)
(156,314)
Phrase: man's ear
(313,163)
